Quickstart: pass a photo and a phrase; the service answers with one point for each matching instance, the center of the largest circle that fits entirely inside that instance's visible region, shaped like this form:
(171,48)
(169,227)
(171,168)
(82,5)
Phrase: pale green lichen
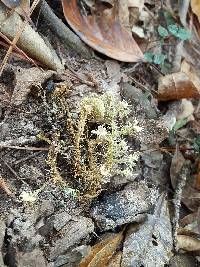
(98,148)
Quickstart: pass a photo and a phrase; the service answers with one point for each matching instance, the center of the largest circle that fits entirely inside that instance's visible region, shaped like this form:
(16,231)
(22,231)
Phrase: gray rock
(73,257)
(2,235)
(128,205)
(183,261)
(151,245)
(76,229)
(31,259)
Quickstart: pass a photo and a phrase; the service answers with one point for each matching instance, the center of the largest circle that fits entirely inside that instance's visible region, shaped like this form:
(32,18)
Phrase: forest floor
(99,159)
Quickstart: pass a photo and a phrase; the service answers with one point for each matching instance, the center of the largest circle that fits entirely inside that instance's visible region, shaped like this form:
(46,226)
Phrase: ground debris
(151,245)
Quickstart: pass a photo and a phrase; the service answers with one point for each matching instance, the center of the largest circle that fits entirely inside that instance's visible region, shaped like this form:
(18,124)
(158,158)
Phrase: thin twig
(79,78)
(27,158)
(25,148)
(17,36)
(11,169)
(18,49)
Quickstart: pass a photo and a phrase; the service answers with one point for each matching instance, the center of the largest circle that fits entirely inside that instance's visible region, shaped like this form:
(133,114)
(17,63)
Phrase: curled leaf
(102,252)
(103,31)
(188,243)
(179,85)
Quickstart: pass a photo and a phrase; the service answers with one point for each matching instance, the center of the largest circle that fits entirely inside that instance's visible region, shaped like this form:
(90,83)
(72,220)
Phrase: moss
(98,147)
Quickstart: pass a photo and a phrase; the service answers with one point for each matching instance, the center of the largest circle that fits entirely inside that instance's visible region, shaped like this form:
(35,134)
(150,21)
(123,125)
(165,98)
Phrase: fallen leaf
(197,179)
(101,253)
(116,260)
(176,166)
(183,84)
(188,243)
(151,245)
(25,80)
(195,5)
(190,223)
(103,32)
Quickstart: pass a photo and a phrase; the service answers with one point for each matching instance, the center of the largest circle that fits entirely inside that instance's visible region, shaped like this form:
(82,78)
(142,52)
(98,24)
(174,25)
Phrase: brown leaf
(102,252)
(103,32)
(197,179)
(176,166)
(188,243)
(25,80)
(116,260)
(183,84)
(189,224)
(195,5)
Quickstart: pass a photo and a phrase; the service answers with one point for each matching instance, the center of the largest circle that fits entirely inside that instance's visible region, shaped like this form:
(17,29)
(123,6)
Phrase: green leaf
(149,56)
(169,19)
(162,31)
(179,124)
(180,33)
(173,29)
(159,59)
(183,34)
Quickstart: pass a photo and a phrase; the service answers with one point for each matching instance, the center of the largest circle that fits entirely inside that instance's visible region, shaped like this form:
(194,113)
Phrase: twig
(27,158)
(79,78)
(17,36)
(144,88)
(25,148)
(18,50)
(11,169)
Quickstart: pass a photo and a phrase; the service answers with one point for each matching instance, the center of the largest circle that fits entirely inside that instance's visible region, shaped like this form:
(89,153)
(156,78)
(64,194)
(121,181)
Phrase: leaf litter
(94,153)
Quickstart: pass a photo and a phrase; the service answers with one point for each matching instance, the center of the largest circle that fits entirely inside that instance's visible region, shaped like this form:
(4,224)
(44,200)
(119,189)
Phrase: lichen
(98,142)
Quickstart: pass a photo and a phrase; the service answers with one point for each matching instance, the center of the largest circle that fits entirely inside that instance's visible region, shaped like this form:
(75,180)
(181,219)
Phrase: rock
(73,257)
(128,205)
(77,228)
(150,243)
(183,261)
(141,100)
(31,259)
(2,236)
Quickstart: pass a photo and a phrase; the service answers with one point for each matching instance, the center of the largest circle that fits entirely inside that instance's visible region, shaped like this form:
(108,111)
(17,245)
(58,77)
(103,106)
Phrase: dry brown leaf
(183,84)
(103,32)
(116,260)
(197,178)
(195,5)
(188,243)
(176,166)
(102,252)
(25,80)
(190,224)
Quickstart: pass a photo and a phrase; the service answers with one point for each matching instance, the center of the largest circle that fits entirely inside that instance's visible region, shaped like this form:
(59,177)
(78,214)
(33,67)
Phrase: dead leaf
(103,32)
(190,223)
(195,5)
(102,252)
(177,163)
(25,80)
(183,84)
(116,260)
(197,179)
(188,243)
(151,245)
